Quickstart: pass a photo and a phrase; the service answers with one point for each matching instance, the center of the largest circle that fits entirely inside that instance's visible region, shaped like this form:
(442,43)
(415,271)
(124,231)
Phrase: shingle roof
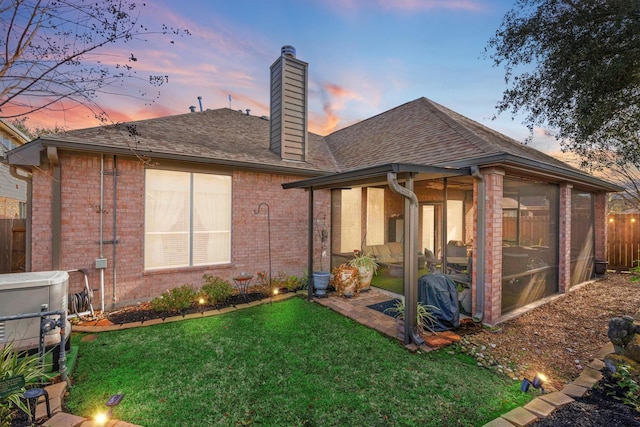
(221,135)
(423,132)
(420,132)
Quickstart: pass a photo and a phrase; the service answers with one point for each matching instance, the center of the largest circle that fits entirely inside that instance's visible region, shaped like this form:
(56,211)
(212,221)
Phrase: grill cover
(441,292)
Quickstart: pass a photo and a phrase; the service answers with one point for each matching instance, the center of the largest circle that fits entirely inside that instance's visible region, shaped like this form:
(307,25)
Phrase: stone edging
(546,404)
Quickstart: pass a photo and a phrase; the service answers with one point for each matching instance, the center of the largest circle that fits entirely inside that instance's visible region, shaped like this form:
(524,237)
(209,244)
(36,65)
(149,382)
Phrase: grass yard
(383,279)
(289,363)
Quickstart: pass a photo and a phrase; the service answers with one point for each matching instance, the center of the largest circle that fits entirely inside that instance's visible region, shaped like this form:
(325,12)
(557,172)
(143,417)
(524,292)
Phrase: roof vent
(288,50)
(192,108)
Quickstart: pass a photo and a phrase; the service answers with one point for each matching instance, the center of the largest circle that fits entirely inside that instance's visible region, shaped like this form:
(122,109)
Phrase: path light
(113,401)
(537,383)
(276,291)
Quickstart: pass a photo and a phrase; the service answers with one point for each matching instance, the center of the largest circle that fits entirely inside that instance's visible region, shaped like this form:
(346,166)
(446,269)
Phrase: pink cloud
(426,5)
(351,6)
(334,99)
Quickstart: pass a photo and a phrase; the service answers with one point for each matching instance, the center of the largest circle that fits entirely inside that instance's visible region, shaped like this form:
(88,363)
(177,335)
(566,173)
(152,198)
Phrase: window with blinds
(187,219)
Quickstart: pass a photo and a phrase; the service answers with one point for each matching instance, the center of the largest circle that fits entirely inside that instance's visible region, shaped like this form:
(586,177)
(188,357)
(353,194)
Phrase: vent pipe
(289,51)
(192,108)
(200,102)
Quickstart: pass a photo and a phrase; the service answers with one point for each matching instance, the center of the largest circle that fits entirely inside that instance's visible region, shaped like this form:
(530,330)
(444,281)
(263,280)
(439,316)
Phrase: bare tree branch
(46,52)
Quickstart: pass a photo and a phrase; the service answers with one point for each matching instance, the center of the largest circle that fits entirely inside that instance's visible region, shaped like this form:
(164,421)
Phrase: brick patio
(356,308)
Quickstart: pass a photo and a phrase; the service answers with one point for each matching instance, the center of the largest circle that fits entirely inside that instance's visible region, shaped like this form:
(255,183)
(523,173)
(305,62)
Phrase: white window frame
(178,237)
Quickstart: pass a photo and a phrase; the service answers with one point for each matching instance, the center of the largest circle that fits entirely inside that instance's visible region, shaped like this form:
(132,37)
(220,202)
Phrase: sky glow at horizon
(365,57)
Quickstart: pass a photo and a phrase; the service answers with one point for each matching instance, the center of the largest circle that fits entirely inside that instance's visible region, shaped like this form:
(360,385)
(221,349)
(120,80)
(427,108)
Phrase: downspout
(410,259)
(480,245)
(13,170)
(102,231)
(115,216)
(56,207)
(310,248)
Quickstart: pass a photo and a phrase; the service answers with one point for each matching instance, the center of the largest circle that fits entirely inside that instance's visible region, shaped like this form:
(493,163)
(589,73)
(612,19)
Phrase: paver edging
(577,388)
(208,313)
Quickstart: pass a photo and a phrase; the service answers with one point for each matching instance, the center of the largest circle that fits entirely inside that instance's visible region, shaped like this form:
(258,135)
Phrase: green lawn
(286,364)
(383,279)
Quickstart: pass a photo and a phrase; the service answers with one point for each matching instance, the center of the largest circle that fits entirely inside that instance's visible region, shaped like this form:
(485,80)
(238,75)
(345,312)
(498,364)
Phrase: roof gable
(422,132)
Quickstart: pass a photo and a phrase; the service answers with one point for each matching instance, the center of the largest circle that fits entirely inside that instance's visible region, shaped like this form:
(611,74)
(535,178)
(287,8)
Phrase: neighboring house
(13,203)
(13,190)
(163,201)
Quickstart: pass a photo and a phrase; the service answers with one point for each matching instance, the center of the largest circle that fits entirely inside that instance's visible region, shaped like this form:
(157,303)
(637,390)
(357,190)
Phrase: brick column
(564,238)
(600,218)
(492,280)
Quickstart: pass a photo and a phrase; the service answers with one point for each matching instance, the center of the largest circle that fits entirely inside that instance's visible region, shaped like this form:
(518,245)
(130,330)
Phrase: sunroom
(515,246)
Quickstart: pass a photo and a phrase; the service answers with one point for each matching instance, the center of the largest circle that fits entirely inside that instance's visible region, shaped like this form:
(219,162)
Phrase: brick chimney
(288,115)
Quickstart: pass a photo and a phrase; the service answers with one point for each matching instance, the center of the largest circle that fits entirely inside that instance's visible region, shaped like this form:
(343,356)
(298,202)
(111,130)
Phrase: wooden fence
(13,244)
(623,240)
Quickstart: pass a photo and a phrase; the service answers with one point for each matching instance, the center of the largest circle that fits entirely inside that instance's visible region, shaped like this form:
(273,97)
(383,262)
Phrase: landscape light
(537,383)
(102,417)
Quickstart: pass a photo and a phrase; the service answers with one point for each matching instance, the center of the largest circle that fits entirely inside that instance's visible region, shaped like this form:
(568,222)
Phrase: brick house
(164,201)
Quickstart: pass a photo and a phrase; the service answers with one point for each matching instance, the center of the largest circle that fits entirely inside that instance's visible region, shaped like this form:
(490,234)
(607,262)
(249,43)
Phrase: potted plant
(345,280)
(367,266)
(321,278)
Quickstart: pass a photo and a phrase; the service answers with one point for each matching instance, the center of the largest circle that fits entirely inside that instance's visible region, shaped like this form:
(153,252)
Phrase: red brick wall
(493,181)
(81,228)
(41,220)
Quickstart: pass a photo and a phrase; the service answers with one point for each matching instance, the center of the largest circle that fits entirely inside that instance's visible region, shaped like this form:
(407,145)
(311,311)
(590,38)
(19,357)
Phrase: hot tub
(24,293)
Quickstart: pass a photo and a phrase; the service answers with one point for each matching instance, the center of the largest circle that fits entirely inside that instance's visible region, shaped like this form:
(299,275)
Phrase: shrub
(424,314)
(13,364)
(630,389)
(292,283)
(175,299)
(215,289)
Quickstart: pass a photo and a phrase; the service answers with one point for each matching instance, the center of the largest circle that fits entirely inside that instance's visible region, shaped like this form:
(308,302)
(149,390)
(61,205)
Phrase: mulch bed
(597,408)
(143,312)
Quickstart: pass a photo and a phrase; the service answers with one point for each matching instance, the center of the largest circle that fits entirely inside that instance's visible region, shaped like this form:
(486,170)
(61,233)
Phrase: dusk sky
(364,56)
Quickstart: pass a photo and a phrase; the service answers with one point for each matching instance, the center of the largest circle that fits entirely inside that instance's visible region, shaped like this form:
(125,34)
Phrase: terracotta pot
(365,276)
